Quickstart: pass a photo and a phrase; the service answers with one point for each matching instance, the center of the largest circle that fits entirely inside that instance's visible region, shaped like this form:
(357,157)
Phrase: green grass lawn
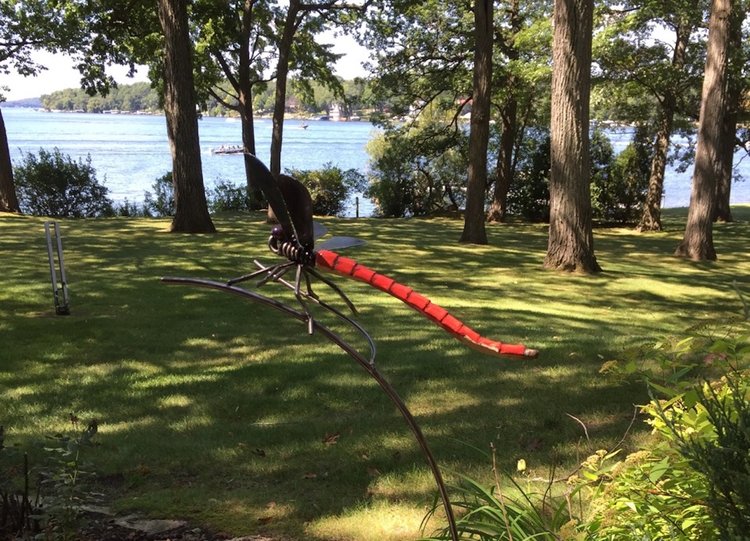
(225,413)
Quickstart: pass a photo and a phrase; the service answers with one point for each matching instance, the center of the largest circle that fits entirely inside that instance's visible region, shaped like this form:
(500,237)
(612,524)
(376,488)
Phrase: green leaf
(658,470)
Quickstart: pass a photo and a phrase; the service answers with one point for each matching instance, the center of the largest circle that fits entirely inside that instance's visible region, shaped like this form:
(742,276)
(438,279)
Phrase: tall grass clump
(490,512)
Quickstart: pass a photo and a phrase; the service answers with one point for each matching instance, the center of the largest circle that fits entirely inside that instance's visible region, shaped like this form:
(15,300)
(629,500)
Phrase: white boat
(228,149)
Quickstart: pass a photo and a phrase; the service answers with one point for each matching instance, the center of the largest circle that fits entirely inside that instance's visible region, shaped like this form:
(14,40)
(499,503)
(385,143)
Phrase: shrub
(163,202)
(330,187)
(528,196)
(618,190)
(391,183)
(228,197)
(52,184)
(418,169)
(128,209)
(652,494)
(717,444)
(692,481)
(61,484)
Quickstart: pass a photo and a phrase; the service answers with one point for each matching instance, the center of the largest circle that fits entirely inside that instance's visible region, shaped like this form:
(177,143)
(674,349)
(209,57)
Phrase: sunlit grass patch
(381,522)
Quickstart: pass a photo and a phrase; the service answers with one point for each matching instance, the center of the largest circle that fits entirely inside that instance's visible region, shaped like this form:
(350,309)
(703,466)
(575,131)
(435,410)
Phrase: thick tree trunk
(509,114)
(571,239)
(191,209)
(8,198)
(474,230)
(499,205)
(254,194)
(279,106)
(698,243)
(723,210)
(651,219)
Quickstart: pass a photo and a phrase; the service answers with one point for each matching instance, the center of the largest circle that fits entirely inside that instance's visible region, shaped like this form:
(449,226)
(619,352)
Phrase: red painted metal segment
(348,267)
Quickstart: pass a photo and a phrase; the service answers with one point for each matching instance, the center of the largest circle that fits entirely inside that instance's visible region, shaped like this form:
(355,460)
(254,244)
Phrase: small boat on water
(228,149)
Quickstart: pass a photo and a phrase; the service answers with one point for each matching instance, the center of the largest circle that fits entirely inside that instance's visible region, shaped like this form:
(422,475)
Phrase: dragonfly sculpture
(294,240)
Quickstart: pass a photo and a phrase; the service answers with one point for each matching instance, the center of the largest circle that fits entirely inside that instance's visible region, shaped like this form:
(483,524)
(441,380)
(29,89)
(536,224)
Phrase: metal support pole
(59,290)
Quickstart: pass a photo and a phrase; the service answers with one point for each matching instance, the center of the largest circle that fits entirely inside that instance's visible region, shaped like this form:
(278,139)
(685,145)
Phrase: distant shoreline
(37,106)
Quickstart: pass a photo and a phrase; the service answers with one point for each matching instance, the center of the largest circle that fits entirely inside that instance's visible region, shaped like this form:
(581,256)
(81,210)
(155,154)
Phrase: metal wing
(334,243)
(270,188)
(339,243)
(319,230)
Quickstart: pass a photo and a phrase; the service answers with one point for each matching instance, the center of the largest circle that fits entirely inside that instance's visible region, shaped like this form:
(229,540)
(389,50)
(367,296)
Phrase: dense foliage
(330,187)
(418,169)
(51,184)
(528,196)
(415,172)
(161,202)
(129,98)
(618,189)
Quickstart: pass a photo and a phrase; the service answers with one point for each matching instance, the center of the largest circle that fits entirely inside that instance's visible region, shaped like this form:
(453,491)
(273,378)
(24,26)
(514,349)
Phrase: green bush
(52,184)
(528,196)
(162,202)
(46,501)
(652,494)
(391,183)
(619,186)
(330,187)
(717,444)
(228,197)
(417,170)
(692,481)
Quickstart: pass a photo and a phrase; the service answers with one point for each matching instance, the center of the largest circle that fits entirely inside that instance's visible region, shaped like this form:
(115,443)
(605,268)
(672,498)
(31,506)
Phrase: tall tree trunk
(571,239)
(8,198)
(698,242)
(282,72)
(254,193)
(474,230)
(245,102)
(499,206)
(191,209)
(723,210)
(509,114)
(651,219)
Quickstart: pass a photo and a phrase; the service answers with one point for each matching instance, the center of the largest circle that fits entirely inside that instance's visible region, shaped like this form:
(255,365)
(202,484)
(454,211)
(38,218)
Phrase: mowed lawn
(224,413)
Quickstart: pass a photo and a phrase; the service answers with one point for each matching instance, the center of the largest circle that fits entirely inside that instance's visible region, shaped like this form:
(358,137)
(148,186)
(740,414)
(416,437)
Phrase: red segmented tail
(348,267)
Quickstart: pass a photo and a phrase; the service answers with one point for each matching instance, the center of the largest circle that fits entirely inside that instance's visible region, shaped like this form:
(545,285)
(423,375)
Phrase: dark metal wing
(270,188)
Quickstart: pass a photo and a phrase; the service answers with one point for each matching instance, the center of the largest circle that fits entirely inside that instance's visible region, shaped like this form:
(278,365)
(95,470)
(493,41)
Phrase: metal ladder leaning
(59,290)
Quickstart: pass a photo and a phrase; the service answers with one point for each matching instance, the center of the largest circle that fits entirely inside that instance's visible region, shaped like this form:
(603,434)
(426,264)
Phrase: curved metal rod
(354,354)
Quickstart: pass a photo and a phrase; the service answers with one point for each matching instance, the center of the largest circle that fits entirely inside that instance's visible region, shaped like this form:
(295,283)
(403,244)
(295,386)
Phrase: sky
(61,73)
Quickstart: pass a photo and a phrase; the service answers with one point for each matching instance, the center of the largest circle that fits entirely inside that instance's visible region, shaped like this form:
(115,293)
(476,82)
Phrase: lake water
(130,151)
